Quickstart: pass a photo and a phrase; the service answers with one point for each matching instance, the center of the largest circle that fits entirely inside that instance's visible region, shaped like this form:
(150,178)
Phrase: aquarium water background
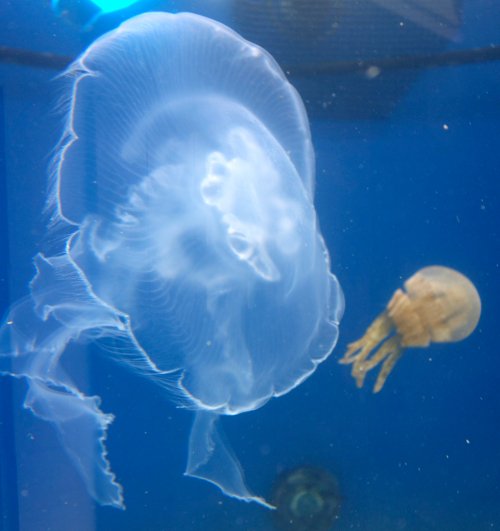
(404,180)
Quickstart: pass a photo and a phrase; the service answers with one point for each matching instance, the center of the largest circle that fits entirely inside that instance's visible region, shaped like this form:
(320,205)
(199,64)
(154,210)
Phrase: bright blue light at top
(108,6)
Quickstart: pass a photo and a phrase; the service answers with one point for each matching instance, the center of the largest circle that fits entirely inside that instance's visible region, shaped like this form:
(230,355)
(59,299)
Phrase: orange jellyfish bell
(437,305)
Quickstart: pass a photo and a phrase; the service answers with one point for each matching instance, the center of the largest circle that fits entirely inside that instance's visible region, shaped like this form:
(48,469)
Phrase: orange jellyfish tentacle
(364,355)
(389,363)
(389,350)
(360,350)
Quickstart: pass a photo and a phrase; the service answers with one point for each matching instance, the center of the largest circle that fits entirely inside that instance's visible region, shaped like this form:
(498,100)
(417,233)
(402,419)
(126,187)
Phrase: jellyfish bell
(438,305)
(183,190)
(446,303)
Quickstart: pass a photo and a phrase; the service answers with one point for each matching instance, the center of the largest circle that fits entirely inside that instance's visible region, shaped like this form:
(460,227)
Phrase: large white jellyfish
(183,239)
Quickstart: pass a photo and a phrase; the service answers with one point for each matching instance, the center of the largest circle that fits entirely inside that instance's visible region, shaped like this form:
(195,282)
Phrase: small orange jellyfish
(440,305)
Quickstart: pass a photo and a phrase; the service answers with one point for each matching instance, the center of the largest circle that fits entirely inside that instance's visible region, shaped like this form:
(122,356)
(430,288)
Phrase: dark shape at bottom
(306,499)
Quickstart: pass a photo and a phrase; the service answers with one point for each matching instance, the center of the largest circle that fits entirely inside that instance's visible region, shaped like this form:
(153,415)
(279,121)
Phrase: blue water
(392,196)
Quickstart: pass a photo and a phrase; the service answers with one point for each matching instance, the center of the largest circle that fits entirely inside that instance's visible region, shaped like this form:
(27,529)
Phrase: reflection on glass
(306,499)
